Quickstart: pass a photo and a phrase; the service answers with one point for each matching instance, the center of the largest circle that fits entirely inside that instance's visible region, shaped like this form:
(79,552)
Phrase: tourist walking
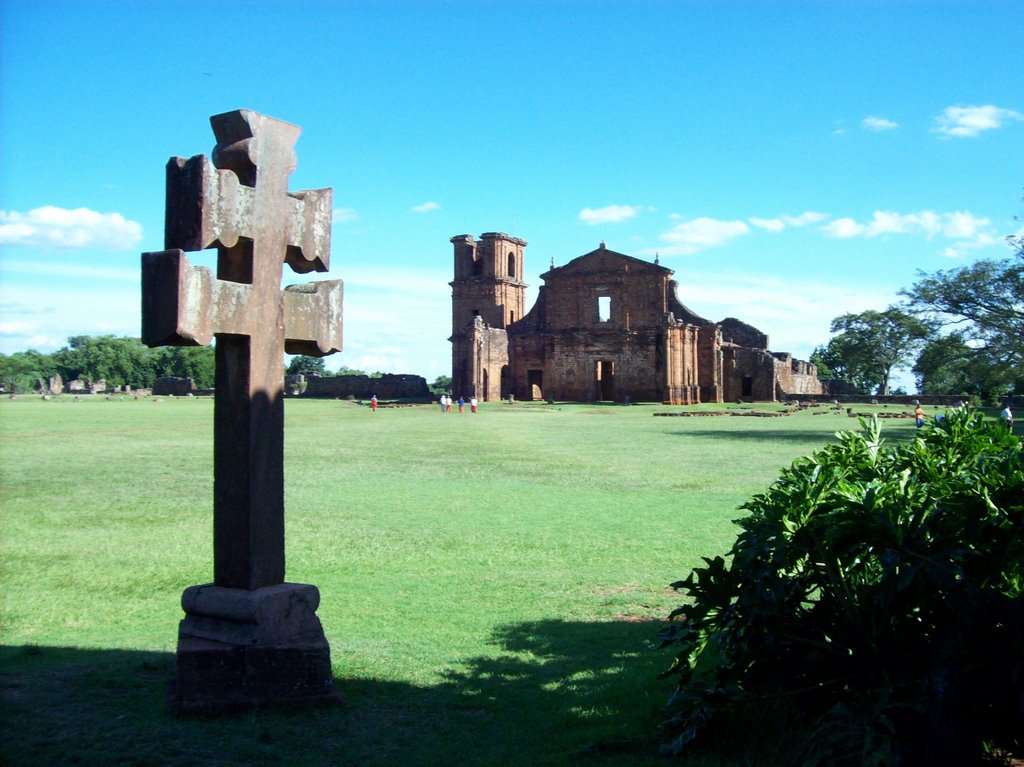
(472,404)
(373,403)
(1007,415)
(919,416)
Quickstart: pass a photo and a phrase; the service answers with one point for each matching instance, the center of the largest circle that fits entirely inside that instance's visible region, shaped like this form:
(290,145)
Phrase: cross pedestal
(249,638)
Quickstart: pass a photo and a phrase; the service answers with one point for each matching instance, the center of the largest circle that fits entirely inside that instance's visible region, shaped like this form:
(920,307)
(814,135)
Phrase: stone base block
(240,649)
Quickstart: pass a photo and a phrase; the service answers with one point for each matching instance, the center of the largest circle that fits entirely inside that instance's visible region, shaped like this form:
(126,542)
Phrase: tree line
(126,361)
(119,361)
(960,331)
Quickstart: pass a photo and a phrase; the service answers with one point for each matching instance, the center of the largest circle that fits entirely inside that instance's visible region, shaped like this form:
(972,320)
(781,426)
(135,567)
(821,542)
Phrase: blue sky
(791,161)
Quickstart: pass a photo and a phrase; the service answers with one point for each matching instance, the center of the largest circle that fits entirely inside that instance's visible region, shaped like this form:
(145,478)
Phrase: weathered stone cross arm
(185,305)
(312,318)
(207,206)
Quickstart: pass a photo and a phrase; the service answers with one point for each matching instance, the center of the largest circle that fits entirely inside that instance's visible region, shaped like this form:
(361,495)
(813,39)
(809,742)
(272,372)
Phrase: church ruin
(605,327)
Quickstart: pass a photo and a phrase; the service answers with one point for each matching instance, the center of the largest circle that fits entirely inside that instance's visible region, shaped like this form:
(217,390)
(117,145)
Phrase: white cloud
(963,247)
(781,222)
(963,224)
(965,122)
(882,222)
(342,215)
(426,207)
(53,227)
(878,124)
(609,214)
(887,222)
(929,223)
(805,218)
(970,232)
(768,224)
(843,228)
(699,234)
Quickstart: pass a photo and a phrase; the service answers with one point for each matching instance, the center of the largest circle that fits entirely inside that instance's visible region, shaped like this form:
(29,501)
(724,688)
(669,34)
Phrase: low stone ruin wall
(940,400)
(85,386)
(52,385)
(388,386)
(172,386)
(797,377)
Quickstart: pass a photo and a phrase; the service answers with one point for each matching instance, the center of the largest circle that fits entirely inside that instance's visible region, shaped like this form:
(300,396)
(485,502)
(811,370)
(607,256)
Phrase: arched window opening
(511,264)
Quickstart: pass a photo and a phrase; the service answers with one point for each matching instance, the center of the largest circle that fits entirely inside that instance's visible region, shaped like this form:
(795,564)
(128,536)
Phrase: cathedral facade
(605,327)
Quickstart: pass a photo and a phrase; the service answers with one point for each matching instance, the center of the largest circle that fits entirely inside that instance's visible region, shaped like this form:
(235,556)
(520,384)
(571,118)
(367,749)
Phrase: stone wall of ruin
(710,364)
(644,366)
(635,300)
(796,376)
(84,386)
(174,386)
(52,385)
(740,333)
(567,366)
(749,374)
(387,386)
(480,363)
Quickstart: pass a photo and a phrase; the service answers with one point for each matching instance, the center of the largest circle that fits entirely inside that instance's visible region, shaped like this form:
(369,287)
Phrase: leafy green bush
(876,595)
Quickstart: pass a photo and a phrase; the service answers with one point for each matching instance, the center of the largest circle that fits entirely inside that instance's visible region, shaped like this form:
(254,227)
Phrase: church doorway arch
(604,378)
(535,382)
(506,382)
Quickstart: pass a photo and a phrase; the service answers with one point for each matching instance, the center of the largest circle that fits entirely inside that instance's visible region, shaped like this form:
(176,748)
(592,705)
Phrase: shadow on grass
(812,438)
(553,693)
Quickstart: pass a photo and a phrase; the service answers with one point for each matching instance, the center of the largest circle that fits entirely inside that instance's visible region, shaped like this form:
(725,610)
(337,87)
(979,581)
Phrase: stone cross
(240,203)
(248,638)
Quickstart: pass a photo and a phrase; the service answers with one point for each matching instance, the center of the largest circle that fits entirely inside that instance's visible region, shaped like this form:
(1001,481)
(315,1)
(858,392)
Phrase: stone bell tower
(488,295)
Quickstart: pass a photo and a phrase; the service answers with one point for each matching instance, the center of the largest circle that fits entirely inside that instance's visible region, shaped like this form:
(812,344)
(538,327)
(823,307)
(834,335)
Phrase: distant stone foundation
(940,400)
(174,386)
(84,386)
(387,386)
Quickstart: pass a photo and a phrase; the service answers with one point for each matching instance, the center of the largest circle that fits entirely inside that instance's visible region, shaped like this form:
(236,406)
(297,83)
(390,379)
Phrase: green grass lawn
(491,584)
